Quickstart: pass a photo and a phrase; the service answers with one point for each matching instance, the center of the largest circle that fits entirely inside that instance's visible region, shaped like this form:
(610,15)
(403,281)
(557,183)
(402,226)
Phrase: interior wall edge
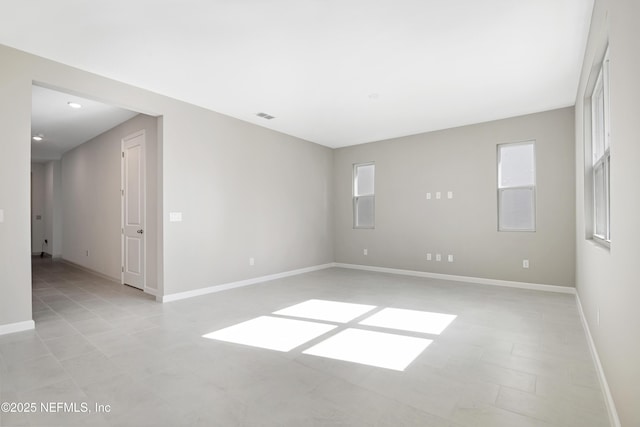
(606,391)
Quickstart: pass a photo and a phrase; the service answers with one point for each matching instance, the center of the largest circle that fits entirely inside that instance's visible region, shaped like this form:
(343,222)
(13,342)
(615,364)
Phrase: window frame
(357,197)
(532,187)
(601,91)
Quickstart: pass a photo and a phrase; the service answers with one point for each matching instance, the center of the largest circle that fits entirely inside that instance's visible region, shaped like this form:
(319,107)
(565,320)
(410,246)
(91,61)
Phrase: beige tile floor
(511,358)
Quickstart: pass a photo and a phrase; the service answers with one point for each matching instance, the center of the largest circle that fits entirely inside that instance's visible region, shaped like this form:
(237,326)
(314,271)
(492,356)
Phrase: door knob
(139,231)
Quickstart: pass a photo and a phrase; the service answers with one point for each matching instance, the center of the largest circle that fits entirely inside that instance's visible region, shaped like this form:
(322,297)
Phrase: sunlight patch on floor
(378,349)
(410,320)
(332,311)
(272,333)
(392,349)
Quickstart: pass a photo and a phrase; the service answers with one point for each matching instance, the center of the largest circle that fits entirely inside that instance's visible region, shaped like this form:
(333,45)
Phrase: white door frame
(122,207)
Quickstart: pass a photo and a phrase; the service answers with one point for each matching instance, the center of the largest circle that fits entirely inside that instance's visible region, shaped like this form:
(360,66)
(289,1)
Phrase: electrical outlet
(450,195)
(365,251)
(428,196)
(525,263)
(438,257)
(450,258)
(252,261)
(429,256)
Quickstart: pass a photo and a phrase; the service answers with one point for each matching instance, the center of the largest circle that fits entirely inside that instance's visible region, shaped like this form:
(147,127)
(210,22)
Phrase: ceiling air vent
(265,116)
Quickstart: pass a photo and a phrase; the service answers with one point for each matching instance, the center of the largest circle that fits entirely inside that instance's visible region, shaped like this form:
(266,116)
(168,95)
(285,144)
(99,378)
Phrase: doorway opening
(90,162)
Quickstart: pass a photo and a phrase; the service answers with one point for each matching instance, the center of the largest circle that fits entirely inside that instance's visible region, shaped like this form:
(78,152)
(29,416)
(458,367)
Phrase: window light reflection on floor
(378,349)
(272,333)
(332,311)
(410,320)
(391,349)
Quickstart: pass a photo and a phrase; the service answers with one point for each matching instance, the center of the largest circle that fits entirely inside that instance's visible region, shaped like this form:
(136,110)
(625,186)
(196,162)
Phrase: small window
(600,153)
(363,195)
(517,187)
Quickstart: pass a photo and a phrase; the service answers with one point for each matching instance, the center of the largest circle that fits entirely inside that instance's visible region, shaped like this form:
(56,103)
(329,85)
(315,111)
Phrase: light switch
(429,256)
(450,195)
(438,257)
(437,195)
(175,216)
(450,258)
(428,196)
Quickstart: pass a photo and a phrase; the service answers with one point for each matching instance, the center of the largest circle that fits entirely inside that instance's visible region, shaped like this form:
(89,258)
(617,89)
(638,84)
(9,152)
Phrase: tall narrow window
(363,195)
(601,156)
(517,187)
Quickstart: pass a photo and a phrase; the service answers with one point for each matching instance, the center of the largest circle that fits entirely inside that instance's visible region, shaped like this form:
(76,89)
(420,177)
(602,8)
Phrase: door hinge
(123,154)
(123,269)
(122,192)
(122,230)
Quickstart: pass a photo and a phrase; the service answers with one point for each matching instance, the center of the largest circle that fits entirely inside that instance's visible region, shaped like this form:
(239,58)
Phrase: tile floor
(510,358)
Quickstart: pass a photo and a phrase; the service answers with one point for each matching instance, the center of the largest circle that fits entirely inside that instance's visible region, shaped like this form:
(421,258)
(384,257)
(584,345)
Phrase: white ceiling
(335,72)
(63,127)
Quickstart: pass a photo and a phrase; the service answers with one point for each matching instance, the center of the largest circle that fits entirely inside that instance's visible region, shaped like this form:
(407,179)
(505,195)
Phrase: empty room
(320,213)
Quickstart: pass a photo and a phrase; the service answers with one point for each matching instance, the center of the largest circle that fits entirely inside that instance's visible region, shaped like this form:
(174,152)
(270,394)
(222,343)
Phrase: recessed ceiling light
(38,138)
(74,104)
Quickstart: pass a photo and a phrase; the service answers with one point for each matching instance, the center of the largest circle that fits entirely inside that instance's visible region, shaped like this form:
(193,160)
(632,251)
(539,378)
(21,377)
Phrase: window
(517,187)
(363,195)
(600,154)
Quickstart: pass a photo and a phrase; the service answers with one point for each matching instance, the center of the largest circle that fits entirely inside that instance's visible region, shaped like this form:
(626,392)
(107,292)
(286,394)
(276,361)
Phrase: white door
(133,210)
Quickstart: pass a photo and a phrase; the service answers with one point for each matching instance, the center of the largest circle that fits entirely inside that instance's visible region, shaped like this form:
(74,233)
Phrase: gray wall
(38,204)
(463,160)
(46,201)
(244,191)
(15,192)
(608,280)
(91,182)
(53,208)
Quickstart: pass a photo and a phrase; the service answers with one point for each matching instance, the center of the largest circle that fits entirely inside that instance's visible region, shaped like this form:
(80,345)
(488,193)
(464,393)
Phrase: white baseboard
(10,328)
(608,398)
(89,270)
(151,291)
(467,279)
(212,289)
